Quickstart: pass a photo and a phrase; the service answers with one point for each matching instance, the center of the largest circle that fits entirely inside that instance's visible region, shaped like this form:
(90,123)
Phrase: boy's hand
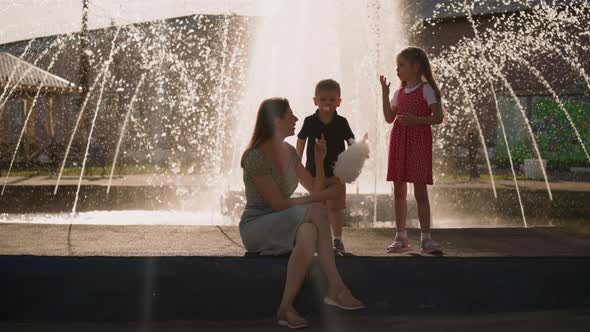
(320,149)
(384,85)
(407,120)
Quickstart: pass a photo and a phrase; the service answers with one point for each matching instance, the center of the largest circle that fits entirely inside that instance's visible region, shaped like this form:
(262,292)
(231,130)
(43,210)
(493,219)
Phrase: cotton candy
(350,162)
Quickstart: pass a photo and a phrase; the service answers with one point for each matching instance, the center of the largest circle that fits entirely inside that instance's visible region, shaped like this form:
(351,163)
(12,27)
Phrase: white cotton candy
(350,163)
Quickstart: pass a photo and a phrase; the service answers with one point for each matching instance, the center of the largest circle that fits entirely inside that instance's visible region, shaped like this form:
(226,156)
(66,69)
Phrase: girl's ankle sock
(402,234)
(425,235)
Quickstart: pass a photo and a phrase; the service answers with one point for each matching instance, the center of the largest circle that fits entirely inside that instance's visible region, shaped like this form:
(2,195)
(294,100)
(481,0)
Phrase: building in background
(24,87)
(174,74)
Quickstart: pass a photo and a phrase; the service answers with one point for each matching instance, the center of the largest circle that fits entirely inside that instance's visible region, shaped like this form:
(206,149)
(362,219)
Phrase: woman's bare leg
(337,289)
(319,217)
(299,261)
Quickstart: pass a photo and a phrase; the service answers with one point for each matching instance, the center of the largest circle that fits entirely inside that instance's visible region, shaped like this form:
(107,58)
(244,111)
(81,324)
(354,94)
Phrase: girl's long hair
(418,55)
(269,110)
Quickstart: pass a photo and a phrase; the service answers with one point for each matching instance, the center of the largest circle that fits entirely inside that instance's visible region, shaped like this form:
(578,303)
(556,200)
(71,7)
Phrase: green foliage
(555,136)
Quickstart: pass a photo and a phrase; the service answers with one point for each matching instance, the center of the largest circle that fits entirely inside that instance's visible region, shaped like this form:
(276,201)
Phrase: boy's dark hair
(328,84)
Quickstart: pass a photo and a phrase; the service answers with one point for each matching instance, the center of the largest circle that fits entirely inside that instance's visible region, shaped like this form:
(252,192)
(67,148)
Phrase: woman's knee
(307,236)
(336,208)
(336,205)
(316,211)
(318,215)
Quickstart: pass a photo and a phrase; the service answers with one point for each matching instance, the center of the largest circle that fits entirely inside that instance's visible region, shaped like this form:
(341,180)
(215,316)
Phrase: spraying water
(106,65)
(299,45)
(123,128)
(192,108)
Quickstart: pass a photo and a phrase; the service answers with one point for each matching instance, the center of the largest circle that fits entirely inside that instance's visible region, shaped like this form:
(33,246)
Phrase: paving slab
(186,240)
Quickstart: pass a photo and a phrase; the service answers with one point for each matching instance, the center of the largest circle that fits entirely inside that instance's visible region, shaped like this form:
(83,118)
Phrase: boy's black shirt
(335,133)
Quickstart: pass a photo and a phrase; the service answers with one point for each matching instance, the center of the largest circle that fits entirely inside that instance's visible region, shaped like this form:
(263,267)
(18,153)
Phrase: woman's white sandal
(334,303)
(287,324)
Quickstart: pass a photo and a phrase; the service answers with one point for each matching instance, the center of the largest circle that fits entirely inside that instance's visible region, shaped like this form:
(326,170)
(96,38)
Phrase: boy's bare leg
(336,218)
(336,215)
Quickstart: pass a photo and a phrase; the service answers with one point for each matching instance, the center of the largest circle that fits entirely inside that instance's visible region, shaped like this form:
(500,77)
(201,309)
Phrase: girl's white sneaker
(431,247)
(399,245)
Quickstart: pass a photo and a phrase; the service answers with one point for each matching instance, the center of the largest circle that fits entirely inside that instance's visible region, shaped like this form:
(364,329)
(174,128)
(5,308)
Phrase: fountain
(175,99)
(485,63)
(352,46)
(167,107)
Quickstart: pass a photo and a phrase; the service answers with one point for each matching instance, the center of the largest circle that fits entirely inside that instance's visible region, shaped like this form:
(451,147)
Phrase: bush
(555,136)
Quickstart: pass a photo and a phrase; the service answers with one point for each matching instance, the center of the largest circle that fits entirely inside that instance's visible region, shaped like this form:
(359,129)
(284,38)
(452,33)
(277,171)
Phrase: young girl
(412,110)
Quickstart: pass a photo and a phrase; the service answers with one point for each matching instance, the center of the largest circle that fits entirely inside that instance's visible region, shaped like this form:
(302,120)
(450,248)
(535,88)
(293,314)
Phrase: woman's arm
(304,177)
(317,183)
(320,178)
(300,148)
(269,190)
(310,183)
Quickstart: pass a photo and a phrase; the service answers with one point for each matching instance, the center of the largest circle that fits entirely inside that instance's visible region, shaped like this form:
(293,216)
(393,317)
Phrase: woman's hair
(268,111)
(418,55)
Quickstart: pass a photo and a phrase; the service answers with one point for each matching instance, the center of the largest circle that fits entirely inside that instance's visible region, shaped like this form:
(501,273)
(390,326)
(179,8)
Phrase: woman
(274,223)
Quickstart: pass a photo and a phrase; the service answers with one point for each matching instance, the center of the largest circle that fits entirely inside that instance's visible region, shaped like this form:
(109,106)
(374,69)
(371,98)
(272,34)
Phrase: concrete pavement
(172,240)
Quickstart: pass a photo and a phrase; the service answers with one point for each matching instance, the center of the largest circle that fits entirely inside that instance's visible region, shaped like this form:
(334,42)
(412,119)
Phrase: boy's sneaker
(339,246)
(399,245)
(431,247)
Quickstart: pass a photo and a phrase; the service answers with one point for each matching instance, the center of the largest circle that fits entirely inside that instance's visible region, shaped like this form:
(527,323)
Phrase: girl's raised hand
(384,85)
(320,149)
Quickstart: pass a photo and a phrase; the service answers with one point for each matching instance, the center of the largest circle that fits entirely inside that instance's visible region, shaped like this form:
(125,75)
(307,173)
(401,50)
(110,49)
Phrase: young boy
(336,131)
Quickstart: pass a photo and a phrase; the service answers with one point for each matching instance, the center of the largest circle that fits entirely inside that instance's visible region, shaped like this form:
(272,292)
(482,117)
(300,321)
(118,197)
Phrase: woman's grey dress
(262,229)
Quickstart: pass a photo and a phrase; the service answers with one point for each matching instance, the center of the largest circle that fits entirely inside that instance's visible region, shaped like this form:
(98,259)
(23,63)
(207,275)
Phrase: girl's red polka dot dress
(410,147)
